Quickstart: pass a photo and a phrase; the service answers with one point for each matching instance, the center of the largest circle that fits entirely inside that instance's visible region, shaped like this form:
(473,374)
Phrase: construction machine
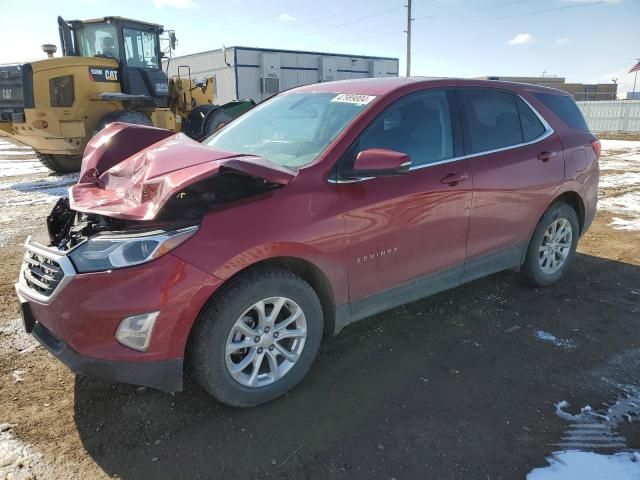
(110,70)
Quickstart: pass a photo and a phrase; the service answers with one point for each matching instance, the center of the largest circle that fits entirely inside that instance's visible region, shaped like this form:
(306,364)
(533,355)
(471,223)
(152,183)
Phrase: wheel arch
(575,201)
(571,198)
(305,269)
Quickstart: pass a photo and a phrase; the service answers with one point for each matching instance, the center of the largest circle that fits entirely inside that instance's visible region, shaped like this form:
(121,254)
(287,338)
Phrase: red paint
(87,312)
(426,221)
(381,159)
(137,187)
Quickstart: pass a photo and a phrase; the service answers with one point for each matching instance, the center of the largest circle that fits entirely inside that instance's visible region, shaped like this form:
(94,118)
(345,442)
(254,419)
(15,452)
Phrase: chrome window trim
(60,258)
(546,134)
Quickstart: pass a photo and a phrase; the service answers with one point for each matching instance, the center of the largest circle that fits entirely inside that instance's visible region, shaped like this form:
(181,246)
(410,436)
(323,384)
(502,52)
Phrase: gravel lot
(486,381)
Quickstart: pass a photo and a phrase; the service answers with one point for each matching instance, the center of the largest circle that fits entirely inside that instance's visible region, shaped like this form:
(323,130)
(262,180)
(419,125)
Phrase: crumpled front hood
(137,186)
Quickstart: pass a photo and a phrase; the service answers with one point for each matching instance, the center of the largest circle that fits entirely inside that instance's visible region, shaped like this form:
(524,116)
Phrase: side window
(565,109)
(492,119)
(532,127)
(418,125)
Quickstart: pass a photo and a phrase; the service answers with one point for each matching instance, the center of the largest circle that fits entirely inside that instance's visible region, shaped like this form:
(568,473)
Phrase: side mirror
(172,40)
(380,162)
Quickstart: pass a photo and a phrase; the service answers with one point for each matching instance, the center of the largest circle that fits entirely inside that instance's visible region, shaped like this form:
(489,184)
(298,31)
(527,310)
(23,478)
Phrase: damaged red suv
(324,205)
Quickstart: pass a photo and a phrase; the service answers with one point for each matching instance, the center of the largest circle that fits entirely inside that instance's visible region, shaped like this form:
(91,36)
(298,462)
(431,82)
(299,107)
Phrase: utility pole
(408,30)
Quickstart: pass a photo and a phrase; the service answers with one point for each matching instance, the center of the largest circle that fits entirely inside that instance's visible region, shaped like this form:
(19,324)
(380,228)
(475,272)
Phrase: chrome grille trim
(44,273)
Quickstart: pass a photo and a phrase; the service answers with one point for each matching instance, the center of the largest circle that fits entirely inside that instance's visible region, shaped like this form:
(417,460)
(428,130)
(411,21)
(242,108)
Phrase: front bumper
(77,320)
(165,375)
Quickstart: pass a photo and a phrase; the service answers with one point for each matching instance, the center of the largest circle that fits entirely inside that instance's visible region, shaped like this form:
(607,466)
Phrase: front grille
(41,274)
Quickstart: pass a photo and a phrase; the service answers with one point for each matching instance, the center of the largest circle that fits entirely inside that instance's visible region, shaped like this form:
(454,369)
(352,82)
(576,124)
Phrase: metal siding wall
(209,64)
(297,68)
(612,116)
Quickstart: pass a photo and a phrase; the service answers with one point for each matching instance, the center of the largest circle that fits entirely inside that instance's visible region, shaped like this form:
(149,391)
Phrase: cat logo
(101,74)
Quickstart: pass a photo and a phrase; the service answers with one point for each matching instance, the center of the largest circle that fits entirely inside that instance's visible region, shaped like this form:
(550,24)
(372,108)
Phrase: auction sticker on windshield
(354,98)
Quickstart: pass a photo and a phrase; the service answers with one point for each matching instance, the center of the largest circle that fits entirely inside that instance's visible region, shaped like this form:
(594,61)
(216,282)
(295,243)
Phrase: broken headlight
(109,251)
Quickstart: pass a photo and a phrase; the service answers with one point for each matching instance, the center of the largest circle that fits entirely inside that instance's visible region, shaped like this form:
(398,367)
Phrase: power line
(471,10)
(350,22)
(384,33)
(600,2)
(523,14)
(487,7)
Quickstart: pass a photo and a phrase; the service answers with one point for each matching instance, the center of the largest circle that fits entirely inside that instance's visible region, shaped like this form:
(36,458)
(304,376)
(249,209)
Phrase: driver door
(407,234)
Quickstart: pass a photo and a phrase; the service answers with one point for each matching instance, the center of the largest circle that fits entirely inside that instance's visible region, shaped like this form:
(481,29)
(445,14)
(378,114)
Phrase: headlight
(109,251)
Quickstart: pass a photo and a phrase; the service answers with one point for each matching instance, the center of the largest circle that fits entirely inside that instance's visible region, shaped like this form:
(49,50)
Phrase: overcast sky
(582,40)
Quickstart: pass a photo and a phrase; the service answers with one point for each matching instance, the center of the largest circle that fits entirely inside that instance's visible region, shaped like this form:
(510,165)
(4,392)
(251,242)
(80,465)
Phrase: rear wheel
(552,246)
(60,163)
(258,338)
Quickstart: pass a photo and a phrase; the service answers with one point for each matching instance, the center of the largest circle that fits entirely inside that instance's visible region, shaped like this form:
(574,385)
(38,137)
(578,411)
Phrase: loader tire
(60,163)
(215,121)
(124,116)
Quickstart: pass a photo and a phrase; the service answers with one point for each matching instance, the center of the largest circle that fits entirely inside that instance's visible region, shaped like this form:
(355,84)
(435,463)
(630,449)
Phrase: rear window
(565,108)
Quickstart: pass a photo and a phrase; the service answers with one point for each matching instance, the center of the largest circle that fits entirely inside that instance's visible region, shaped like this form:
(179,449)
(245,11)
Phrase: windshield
(98,40)
(291,130)
(140,48)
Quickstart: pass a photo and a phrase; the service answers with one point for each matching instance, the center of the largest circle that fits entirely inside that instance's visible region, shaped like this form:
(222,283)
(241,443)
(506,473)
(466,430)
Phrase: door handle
(453,179)
(545,156)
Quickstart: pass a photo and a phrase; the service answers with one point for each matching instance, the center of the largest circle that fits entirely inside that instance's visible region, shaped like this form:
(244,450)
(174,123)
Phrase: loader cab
(134,45)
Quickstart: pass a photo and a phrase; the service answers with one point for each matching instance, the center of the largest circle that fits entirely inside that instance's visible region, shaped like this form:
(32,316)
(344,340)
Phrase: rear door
(517,164)
(403,229)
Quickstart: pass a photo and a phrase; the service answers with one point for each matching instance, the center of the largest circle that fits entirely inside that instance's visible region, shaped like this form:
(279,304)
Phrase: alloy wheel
(555,246)
(266,341)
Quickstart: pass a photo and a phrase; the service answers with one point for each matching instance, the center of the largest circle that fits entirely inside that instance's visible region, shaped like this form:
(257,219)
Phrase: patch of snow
(617,164)
(15,168)
(46,190)
(625,224)
(42,184)
(619,145)
(18,376)
(14,338)
(4,146)
(628,204)
(18,461)
(16,152)
(574,465)
(620,180)
(592,430)
(558,342)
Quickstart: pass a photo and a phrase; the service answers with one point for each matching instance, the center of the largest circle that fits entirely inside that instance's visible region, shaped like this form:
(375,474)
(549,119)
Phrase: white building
(258,73)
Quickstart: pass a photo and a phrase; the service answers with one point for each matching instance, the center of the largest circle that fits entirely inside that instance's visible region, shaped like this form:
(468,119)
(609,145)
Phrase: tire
(60,163)
(217,326)
(215,121)
(535,270)
(124,116)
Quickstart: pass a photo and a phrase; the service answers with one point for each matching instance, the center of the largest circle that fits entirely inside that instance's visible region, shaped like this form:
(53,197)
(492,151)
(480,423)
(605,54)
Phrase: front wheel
(257,339)
(552,246)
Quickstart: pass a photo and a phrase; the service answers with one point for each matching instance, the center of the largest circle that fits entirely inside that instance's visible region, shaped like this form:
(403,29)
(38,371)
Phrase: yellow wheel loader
(111,70)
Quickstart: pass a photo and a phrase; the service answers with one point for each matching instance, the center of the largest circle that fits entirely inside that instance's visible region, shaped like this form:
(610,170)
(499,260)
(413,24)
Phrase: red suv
(323,205)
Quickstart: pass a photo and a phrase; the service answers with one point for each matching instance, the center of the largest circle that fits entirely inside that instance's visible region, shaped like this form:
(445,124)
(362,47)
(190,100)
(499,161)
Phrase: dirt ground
(459,385)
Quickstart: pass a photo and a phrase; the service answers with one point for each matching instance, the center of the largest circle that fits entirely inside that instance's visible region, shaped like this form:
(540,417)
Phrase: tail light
(597,147)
